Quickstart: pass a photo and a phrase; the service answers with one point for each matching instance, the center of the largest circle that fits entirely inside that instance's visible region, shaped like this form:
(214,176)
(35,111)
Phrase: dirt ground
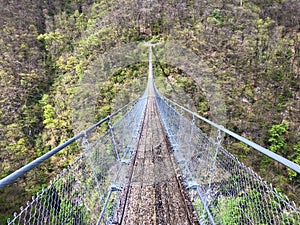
(155,192)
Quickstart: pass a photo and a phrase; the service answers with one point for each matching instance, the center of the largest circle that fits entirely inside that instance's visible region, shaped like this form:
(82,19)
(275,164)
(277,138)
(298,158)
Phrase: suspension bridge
(154,165)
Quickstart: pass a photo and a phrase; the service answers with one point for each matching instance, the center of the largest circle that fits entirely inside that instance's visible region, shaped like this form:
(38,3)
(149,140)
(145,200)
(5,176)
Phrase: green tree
(296,159)
(278,139)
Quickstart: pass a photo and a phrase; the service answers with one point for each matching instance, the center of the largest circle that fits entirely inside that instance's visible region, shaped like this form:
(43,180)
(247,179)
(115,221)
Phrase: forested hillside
(47,48)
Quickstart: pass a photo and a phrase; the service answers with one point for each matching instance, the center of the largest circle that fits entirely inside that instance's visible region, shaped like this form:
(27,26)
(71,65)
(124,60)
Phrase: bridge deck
(155,193)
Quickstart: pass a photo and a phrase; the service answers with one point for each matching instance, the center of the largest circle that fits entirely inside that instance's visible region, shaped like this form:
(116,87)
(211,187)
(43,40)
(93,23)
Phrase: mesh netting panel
(88,191)
(72,198)
(222,189)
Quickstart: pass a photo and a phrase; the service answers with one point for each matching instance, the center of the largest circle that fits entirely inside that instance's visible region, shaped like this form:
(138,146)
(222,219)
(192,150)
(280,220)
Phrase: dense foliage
(47,47)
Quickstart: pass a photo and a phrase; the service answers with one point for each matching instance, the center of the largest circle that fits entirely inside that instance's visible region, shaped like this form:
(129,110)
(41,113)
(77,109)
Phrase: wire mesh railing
(222,189)
(88,191)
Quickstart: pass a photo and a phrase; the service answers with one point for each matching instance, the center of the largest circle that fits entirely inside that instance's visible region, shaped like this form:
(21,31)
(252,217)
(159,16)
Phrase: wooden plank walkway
(155,191)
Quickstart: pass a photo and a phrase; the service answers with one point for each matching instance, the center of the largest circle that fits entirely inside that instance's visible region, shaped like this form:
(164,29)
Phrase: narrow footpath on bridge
(155,192)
